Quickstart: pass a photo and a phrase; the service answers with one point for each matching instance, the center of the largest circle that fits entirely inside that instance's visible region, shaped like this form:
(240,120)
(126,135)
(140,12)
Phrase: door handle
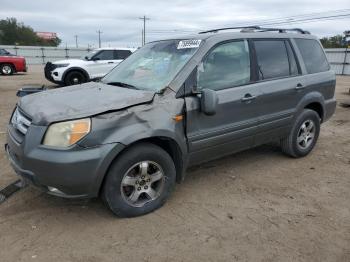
(248,98)
(110,62)
(299,86)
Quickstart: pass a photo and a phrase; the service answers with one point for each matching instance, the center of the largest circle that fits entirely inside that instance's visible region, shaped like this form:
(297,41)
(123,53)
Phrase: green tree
(336,41)
(15,33)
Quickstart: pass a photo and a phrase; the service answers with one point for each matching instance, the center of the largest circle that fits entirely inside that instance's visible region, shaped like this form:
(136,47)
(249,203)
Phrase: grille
(20,122)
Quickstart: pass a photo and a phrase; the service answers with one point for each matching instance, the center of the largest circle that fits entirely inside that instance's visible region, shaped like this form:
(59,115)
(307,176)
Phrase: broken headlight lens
(65,134)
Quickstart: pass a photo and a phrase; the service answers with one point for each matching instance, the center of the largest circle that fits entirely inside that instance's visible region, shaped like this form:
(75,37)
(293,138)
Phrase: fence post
(67,56)
(42,54)
(344,63)
(16,48)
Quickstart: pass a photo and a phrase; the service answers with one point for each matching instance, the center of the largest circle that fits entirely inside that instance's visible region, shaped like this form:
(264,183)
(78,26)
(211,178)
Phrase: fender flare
(75,68)
(312,97)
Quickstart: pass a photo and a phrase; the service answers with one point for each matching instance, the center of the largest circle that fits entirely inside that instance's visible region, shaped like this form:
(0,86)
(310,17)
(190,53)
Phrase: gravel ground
(258,205)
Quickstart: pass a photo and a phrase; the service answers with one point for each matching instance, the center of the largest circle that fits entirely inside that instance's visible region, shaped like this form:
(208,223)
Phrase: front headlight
(61,65)
(67,133)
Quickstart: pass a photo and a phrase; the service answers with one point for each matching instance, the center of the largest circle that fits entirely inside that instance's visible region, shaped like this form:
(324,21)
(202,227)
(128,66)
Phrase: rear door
(281,85)
(225,69)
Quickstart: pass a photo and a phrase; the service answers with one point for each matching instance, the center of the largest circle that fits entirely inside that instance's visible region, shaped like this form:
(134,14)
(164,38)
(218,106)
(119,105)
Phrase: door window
(105,55)
(121,54)
(227,65)
(272,59)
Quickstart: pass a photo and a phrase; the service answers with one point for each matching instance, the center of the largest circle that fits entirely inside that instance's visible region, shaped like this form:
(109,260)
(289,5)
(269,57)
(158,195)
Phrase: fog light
(54,190)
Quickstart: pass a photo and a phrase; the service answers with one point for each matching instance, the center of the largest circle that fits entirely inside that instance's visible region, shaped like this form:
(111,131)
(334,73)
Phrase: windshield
(153,66)
(89,55)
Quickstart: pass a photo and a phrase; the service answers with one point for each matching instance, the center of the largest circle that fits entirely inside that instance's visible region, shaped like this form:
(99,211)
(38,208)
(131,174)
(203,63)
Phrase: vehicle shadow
(194,175)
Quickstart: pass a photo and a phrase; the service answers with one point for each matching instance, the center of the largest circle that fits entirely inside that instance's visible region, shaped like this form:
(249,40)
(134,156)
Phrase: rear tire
(303,136)
(7,69)
(139,181)
(75,78)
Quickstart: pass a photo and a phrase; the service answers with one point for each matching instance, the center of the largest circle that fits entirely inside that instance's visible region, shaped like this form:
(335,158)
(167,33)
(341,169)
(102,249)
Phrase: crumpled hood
(80,101)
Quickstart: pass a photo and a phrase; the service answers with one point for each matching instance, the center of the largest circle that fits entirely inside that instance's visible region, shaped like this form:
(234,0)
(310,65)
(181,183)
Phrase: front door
(225,69)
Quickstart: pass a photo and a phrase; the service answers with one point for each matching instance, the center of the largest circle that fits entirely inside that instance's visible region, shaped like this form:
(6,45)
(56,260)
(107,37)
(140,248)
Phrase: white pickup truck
(94,65)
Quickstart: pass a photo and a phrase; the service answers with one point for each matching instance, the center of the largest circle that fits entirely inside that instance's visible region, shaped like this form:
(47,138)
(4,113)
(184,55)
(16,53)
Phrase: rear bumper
(73,173)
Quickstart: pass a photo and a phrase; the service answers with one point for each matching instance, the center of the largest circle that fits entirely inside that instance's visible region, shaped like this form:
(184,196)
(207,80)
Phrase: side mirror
(209,101)
(95,58)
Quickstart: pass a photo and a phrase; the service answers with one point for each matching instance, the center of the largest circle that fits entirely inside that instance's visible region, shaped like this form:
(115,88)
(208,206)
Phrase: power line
(305,18)
(310,15)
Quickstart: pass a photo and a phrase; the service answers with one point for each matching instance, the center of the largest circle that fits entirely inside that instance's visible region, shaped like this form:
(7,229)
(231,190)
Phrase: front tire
(139,181)
(303,136)
(6,69)
(75,78)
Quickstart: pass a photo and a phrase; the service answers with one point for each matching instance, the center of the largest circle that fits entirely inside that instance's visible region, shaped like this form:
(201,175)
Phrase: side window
(227,65)
(272,58)
(314,58)
(293,67)
(105,55)
(121,54)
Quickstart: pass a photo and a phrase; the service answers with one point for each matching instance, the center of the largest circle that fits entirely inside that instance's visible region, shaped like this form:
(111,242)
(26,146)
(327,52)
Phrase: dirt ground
(257,205)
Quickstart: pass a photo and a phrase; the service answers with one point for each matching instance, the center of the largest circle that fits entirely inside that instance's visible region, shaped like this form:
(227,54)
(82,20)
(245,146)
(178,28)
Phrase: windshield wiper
(121,84)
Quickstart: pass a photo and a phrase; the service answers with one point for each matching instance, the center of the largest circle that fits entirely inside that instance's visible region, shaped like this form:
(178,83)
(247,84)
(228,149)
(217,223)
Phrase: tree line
(337,41)
(13,32)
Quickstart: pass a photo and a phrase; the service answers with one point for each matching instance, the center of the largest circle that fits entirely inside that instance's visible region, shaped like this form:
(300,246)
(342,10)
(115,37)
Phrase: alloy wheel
(142,183)
(306,134)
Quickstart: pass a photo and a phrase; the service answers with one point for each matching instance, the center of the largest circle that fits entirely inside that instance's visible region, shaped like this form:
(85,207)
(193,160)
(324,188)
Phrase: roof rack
(247,29)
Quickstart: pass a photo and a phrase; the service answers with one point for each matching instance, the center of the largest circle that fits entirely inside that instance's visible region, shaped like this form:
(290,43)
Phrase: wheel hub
(306,134)
(142,183)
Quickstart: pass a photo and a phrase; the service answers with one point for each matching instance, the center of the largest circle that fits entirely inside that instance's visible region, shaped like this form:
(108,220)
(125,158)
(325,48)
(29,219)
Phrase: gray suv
(173,104)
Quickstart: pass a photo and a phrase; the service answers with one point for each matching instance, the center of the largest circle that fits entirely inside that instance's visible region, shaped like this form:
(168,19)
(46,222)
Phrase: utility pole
(144,18)
(142,37)
(76,41)
(99,38)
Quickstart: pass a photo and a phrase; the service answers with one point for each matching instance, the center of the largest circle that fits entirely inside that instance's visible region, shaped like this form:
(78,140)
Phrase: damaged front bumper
(76,172)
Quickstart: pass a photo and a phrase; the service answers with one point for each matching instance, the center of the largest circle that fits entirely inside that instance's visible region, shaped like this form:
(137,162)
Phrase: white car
(94,65)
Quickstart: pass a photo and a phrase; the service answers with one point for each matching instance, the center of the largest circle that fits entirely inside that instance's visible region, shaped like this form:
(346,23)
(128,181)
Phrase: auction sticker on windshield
(193,43)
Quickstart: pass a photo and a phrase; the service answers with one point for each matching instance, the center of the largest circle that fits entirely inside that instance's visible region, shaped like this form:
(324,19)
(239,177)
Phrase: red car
(10,63)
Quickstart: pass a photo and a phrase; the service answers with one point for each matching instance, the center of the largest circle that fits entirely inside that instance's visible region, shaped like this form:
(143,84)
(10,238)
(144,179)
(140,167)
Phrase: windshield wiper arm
(122,85)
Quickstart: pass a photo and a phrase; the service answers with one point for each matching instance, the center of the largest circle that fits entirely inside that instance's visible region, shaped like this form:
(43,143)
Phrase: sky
(119,20)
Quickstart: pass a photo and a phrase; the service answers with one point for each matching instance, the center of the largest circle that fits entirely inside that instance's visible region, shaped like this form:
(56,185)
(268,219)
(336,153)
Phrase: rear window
(272,59)
(314,58)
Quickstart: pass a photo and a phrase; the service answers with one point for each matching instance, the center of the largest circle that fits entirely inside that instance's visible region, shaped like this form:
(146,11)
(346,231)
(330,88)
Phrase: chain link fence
(40,55)
(339,58)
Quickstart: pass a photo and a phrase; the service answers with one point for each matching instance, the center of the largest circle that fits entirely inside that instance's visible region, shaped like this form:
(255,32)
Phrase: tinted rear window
(314,58)
(272,58)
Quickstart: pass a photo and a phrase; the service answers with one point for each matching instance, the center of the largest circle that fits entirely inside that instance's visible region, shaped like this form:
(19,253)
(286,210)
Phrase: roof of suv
(222,34)
(116,48)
